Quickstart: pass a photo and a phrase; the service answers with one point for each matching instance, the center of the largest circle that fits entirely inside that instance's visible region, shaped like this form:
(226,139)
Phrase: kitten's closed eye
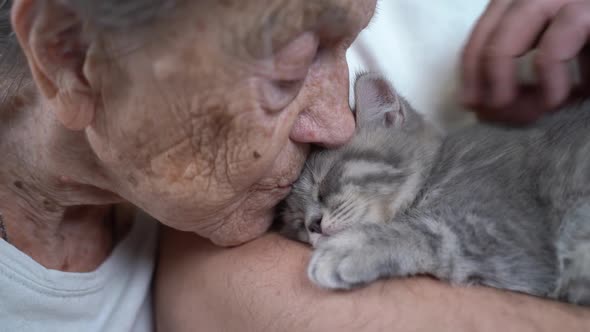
(315,225)
(361,182)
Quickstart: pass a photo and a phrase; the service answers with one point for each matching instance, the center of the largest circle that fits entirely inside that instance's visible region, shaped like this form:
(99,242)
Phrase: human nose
(328,120)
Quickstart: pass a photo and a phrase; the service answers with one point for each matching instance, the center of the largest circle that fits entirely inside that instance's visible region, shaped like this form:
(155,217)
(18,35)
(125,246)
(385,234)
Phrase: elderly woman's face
(208,125)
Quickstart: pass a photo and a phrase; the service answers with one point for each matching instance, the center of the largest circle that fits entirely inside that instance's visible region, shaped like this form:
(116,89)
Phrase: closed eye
(288,71)
(321,198)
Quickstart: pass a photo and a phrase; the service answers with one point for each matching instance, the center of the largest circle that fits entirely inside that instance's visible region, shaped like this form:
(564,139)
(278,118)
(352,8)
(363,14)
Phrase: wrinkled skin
(219,127)
(204,129)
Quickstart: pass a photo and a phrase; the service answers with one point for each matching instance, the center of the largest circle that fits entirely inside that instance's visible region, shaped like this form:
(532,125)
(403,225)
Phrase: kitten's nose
(316,225)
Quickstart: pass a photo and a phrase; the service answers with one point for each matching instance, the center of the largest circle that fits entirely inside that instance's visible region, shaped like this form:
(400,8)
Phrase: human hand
(556,29)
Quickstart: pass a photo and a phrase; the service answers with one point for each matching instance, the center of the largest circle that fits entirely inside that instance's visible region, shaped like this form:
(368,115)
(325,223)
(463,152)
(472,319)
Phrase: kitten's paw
(576,292)
(345,261)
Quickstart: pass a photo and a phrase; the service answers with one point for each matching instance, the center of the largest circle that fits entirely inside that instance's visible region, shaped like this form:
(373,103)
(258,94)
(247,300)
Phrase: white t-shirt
(115,297)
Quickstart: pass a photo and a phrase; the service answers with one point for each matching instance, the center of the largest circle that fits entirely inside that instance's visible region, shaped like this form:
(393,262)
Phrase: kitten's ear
(377,103)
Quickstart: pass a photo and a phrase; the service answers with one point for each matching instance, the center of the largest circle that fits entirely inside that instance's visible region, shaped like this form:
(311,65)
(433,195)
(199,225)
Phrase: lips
(273,187)
(286,186)
(283,183)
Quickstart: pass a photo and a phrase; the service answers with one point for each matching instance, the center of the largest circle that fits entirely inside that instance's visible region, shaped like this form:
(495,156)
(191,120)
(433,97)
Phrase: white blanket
(417,45)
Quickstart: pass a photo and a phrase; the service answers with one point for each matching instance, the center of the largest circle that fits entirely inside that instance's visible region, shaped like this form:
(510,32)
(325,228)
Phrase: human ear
(51,36)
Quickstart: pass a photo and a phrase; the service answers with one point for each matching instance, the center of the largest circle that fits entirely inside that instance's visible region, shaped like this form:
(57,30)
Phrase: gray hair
(13,68)
(106,14)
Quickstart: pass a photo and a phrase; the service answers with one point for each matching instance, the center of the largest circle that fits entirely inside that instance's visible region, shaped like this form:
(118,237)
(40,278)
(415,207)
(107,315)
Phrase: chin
(242,227)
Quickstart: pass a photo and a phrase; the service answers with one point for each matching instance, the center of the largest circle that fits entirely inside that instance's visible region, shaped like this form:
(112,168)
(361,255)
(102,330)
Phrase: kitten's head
(377,174)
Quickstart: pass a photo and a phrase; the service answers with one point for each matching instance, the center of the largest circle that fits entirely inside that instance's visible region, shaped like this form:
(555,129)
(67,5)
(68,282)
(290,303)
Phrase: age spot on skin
(18,184)
(256,155)
(132,180)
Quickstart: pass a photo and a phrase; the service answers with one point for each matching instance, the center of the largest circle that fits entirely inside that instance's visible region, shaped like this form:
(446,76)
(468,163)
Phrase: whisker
(338,209)
(349,207)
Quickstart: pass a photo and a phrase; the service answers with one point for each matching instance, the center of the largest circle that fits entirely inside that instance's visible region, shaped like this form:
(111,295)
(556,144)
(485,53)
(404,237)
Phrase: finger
(515,35)
(500,85)
(556,82)
(522,111)
(520,120)
(471,57)
(562,42)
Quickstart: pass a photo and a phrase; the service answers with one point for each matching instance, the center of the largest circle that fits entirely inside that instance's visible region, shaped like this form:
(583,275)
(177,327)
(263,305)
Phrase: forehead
(355,170)
(266,25)
(347,15)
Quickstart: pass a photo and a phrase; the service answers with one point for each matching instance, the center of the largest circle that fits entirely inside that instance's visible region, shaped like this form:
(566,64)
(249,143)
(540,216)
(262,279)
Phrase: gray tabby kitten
(506,208)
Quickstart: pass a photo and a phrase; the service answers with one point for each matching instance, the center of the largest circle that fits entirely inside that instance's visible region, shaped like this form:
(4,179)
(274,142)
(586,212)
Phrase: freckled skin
(202,118)
(194,145)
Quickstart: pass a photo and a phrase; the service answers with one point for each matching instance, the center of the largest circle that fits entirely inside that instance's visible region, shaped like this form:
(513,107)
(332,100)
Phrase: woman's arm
(262,286)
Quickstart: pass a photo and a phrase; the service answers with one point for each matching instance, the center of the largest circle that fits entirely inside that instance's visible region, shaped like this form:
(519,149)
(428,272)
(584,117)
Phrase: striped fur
(506,208)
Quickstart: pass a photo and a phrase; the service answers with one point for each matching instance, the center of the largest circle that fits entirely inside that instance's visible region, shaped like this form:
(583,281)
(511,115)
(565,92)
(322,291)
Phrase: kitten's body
(505,195)
(508,208)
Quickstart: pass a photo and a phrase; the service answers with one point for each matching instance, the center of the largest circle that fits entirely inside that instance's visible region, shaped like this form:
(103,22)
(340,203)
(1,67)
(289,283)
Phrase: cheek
(248,221)
(251,147)
(251,143)
(208,168)
(191,161)
(255,212)
(377,211)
